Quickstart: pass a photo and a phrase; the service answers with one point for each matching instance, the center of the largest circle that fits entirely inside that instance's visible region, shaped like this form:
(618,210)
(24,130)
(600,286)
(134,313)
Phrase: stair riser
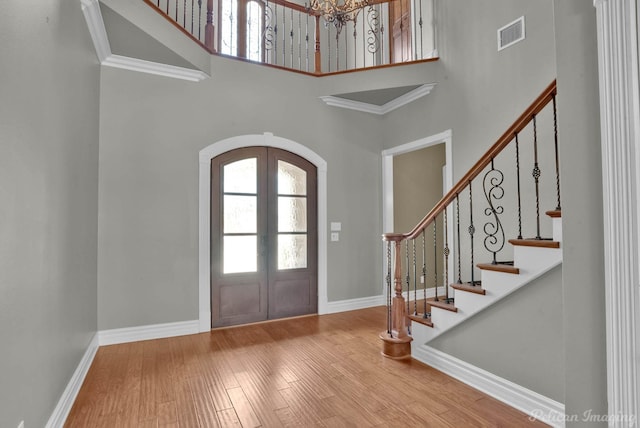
(533,259)
(557,229)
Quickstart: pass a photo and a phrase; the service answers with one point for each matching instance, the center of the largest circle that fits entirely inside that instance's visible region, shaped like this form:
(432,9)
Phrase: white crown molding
(93,16)
(620,133)
(402,100)
(147,332)
(533,404)
(62,409)
(95,23)
(149,67)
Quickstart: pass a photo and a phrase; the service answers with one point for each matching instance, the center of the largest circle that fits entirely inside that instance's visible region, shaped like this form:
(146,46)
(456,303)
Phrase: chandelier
(338,12)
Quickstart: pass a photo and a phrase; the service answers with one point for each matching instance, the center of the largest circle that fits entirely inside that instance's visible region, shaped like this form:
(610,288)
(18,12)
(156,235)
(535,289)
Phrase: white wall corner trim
(62,409)
(533,404)
(95,23)
(204,213)
(147,332)
(354,304)
(402,100)
(620,133)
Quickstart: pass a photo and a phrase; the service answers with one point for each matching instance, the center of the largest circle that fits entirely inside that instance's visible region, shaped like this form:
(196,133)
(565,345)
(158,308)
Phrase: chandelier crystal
(338,12)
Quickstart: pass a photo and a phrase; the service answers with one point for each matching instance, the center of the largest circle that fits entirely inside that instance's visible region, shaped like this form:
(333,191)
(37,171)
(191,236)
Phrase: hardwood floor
(317,371)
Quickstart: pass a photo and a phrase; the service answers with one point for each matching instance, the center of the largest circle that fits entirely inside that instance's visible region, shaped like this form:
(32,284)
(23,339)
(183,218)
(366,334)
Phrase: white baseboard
(353,304)
(62,409)
(148,332)
(533,404)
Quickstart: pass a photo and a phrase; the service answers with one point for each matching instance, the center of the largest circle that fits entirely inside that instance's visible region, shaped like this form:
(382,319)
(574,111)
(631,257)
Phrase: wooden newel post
(209,28)
(397,342)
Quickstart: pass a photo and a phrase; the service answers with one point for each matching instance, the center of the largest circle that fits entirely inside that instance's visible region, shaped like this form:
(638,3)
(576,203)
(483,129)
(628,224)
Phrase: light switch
(336,226)
(335,236)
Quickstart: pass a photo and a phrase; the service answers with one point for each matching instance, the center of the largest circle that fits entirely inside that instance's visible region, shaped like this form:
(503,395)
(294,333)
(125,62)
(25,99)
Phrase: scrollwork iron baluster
(493,191)
(435,255)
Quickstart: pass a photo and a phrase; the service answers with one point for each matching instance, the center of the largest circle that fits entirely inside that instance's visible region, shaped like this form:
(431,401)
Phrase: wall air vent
(511,33)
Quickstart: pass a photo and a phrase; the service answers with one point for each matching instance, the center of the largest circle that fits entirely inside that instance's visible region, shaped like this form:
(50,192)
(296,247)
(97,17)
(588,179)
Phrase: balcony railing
(291,35)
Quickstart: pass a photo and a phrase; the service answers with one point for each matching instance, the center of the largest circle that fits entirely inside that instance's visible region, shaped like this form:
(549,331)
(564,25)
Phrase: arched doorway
(204,214)
(263,236)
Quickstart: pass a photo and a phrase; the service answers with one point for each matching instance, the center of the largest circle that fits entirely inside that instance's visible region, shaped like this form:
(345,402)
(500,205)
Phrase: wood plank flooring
(317,371)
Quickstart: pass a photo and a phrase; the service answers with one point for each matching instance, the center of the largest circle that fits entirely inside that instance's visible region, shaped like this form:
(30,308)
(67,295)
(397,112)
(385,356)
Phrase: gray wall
(583,267)
(151,130)
(523,343)
(49,82)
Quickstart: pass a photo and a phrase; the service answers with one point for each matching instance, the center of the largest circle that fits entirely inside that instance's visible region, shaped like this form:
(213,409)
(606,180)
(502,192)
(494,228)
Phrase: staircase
(532,258)
(426,299)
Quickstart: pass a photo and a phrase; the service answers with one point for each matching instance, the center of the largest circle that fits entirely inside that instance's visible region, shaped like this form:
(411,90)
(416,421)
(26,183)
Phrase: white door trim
(618,31)
(387,180)
(204,213)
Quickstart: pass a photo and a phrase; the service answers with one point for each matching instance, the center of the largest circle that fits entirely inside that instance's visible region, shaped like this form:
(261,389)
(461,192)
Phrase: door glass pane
(292,214)
(291,179)
(241,176)
(240,214)
(292,251)
(240,254)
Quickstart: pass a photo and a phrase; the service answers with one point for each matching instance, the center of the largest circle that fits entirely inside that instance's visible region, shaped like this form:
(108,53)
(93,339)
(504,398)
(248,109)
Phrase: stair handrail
(396,339)
(543,99)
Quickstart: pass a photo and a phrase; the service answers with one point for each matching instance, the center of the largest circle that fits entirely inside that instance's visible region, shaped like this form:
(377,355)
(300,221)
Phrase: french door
(263,236)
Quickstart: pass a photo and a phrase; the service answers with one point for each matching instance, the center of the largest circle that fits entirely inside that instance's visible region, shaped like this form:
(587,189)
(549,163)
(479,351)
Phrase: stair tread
(419,318)
(533,242)
(499,267)
(466,286)
(554,213)
(442,305)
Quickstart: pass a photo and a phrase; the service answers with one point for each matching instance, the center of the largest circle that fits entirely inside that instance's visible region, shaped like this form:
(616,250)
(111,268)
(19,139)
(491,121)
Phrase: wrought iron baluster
(420,22)
(184,14)
(176,17)
(199,18)
(555,140)
(458,237)
(192,15)
(435,255)
(284,38)
(373,40)
(424,274)
(329,46)
(493,191)
(415,279)
(306,38)
(518,181)
(408,276)
(382,53)
(274,57)
(536,176)
(291,35)
(446,258)
(355,44)
(472,229)
(299,42)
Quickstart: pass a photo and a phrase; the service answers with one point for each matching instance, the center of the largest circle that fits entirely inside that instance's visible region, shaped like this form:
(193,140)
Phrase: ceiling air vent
(511,33)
